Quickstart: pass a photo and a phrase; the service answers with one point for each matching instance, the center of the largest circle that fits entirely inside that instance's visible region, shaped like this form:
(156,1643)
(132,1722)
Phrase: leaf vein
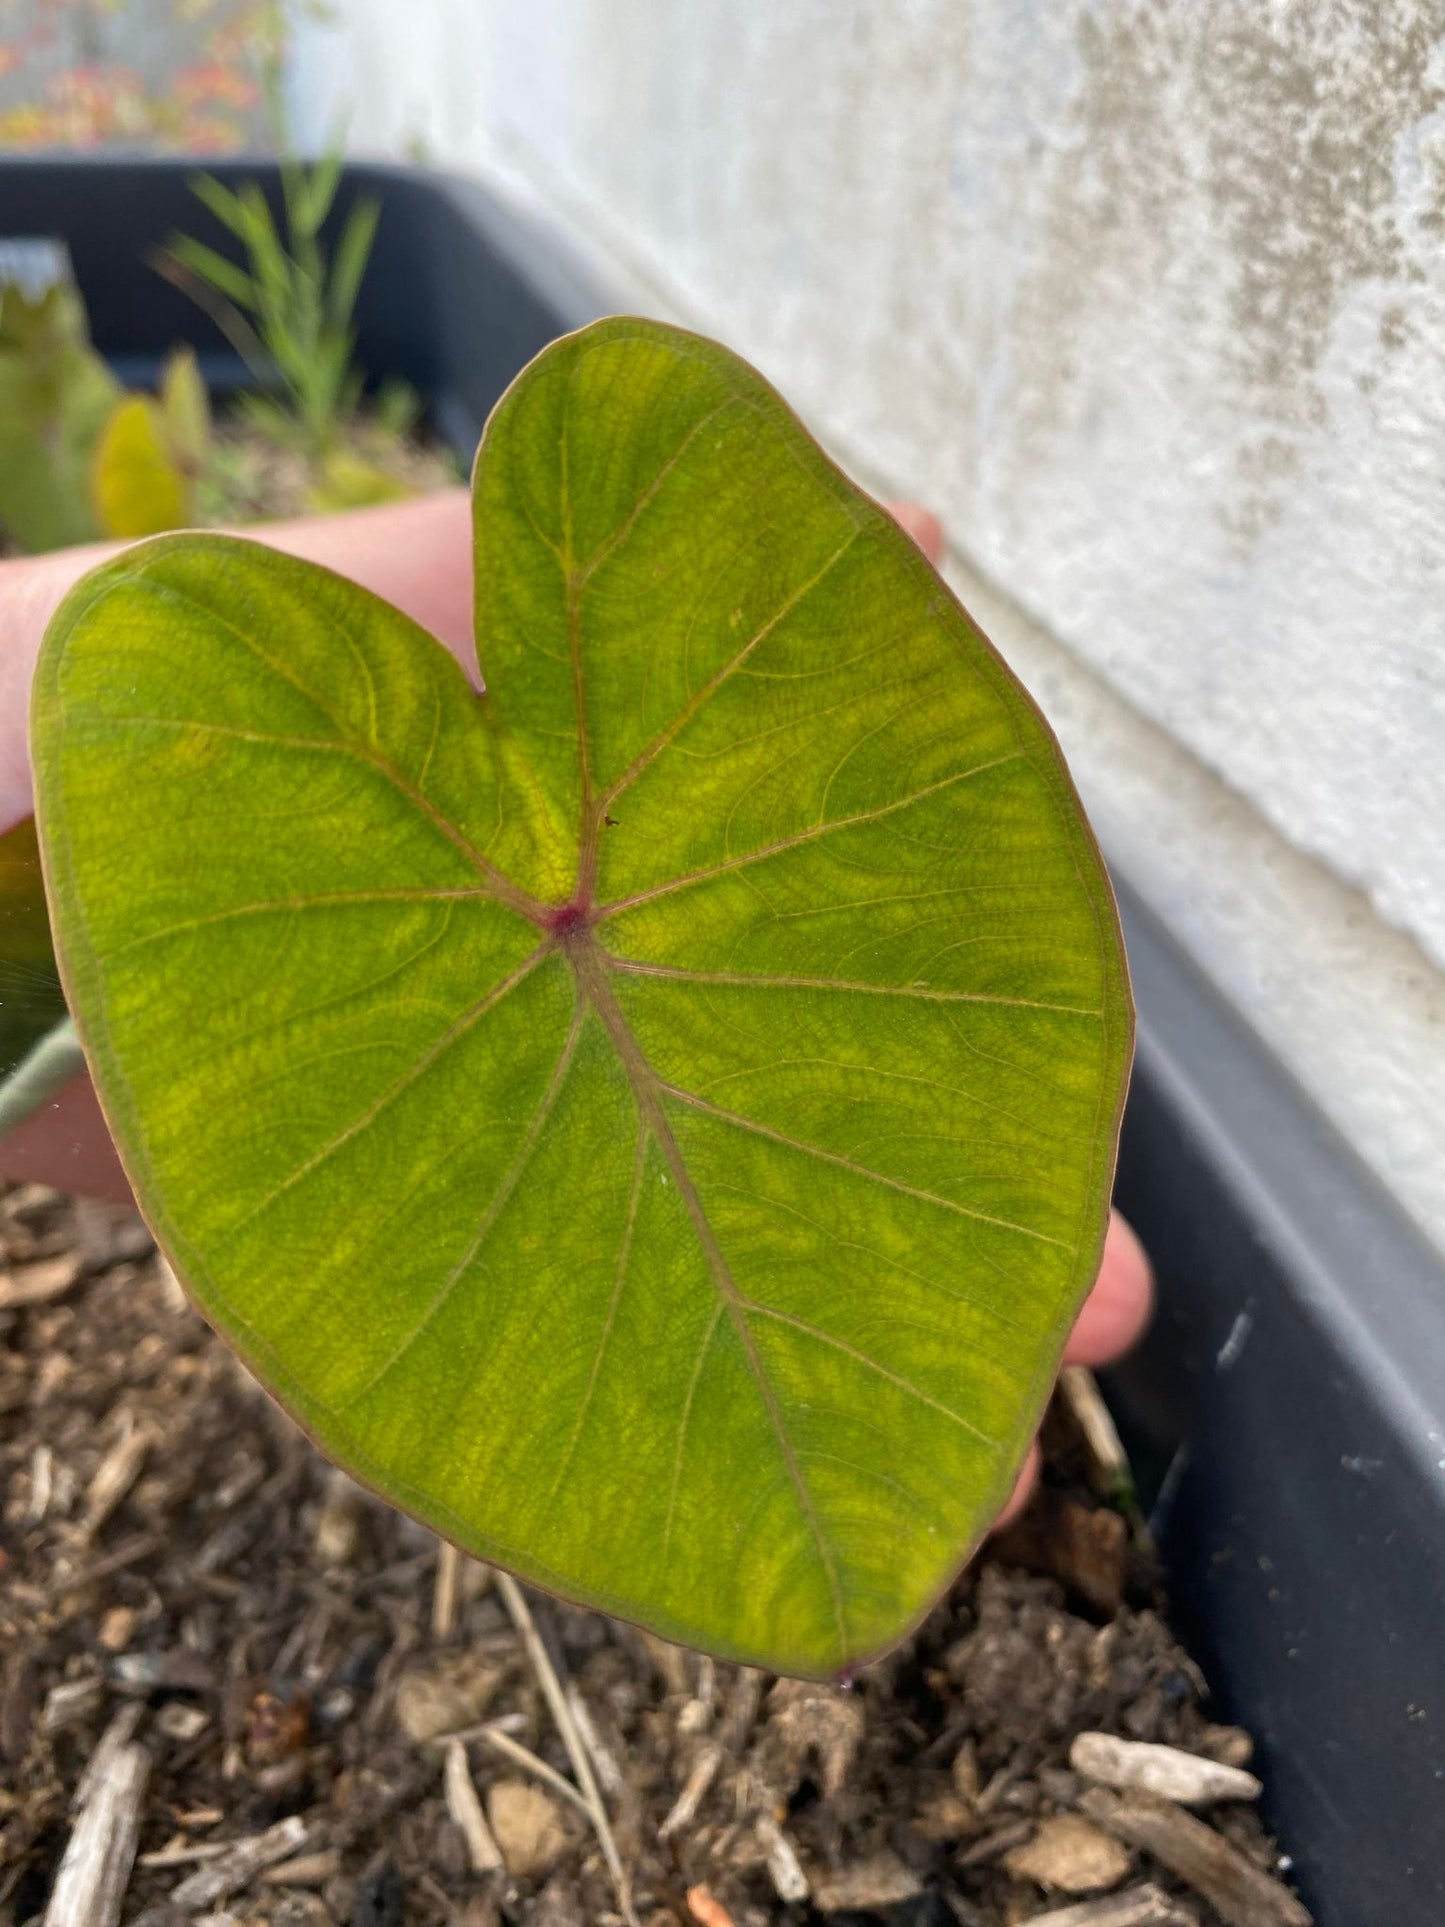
(496,1205)
(341,899)
(697,1103)
(397,1089)
(810,835)
(874,1365)
(697,702)
(503,887)
(633,966)
(611,543)
(619,1274)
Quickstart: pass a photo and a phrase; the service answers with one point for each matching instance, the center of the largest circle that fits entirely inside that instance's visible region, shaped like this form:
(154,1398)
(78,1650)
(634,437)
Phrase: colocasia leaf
(654,1121)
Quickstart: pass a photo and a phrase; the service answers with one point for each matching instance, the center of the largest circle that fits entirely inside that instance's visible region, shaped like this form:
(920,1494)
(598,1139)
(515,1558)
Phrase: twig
(139,1546)
(235,1869)
(306,1870)
(190,1856)
(119,1734)
(507,1723)
(523,1756)
(609,1773)
(784,1868)
(39,1283)
(115,1475)
(1080,1392)
(1238,1891)
(1146,1906)
(91,1883)
(685,1806)
(993,1846)
(444,1598)
(541,1663)
(742,1709)
(1138,1766)
(42,1484)
(466,1810)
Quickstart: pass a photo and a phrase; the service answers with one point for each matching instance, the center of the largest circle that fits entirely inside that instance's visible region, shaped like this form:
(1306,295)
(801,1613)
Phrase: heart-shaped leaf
(654,1121)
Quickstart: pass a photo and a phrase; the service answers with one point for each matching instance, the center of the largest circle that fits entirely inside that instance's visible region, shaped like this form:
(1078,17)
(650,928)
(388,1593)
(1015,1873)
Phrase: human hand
(417,555)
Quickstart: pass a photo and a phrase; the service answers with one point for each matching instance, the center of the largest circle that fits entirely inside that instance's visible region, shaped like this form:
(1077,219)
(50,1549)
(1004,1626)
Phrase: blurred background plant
(79,457)
(167,75)
(56,395)
(288,311)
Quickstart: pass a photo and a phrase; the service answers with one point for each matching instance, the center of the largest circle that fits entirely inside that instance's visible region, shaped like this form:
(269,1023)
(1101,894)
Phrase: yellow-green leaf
(185,411)
(138,488)
(655,1121)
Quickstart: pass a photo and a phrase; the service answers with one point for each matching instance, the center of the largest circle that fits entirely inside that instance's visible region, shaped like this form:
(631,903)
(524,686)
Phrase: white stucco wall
(1149,302)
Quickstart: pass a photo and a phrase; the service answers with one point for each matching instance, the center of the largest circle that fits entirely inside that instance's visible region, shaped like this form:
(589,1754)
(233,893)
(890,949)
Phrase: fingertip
(66,1144)
(1023,1490)
(1118,1308)
(923,525)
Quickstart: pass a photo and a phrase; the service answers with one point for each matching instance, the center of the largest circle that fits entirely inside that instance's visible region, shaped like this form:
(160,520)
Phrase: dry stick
(190,1856)
(993,1846)
(1142,1767)
(218,1879)
(514,1750)
(1146,1906)
(115,1475)
(39,1283)
(91,1883)
(556,1699)
(494,1733)
(1238,1891)
(119,1733)
(444,1599)
(684,1808)
(466,1811)
(306,1870)
(784,1869)
(1080,1390)
(609,1773)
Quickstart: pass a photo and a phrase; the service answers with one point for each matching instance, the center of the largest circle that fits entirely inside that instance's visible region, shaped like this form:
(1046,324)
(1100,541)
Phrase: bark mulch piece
(303,1712)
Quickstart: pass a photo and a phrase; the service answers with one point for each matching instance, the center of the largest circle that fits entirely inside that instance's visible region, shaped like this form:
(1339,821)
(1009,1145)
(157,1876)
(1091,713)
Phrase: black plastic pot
(1287,1413)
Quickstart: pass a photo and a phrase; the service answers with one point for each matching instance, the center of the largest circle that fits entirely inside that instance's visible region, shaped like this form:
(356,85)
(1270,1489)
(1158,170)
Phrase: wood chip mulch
(236,1688)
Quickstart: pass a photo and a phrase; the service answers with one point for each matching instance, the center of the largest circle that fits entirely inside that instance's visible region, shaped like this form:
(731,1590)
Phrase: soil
(253,477)
(171,1544)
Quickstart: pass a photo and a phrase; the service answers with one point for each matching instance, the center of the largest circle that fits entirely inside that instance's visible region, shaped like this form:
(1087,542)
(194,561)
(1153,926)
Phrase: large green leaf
(655,1121)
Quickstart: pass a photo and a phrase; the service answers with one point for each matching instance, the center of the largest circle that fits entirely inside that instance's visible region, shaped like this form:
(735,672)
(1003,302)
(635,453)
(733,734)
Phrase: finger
(922,524)
(65,1143)
(1023,1490)
(1117,1309)
(1115,1313)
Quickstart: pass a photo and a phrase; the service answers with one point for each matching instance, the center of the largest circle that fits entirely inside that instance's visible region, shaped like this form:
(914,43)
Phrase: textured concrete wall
(1149,301)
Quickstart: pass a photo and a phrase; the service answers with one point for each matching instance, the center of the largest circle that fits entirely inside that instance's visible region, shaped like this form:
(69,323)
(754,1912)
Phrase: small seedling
(289,310)
(653,1121)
